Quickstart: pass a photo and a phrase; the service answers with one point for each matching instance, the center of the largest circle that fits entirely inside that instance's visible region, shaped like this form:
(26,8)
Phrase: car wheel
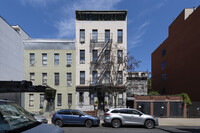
(88,123)
(58,123)
(149,124)
(116,123)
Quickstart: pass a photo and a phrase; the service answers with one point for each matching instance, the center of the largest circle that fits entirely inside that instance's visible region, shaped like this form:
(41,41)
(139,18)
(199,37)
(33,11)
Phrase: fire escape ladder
(102,51)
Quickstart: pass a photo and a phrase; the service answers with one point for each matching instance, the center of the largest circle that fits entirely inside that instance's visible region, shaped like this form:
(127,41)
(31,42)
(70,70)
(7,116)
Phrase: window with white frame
(120,36)
(120,77)
(56,78)
(31,100)
(59,99)
(107,56)
(41,100)
(44,59)
(32,78)
(107,35)
(82,56)
(82,35)
(107,77)
(44,78)
(94,35)
(94,77)
(120,99)
(69,99)
(69,59)
(82,77)
(94,55)
(56,59)
(69,79)
(91,98)
(32,59)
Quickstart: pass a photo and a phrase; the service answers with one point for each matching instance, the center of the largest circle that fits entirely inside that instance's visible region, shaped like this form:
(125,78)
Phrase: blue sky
(148,20)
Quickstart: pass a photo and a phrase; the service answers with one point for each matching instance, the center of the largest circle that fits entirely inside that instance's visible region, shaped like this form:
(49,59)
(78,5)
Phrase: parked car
(39,118)
(74,117)
(14,118)
(125,116)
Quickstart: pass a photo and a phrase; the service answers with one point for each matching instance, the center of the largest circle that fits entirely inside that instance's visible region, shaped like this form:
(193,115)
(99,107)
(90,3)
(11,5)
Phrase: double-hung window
(119,77)
(32,78)
(31,100)
(56,76)
(44,78)
(59,99)
(94,77)
(41,100)
(107,35)
(94,35)
(94,55)
(120,36)
(69,59)
(32,59)
(69,99)
(69,79)
(82,36)
(82,77)
(44,59)
(82,56)
(56,59)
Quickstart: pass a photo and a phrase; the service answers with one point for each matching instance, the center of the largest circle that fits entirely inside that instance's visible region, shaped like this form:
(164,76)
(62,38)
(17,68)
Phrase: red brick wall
(182,58)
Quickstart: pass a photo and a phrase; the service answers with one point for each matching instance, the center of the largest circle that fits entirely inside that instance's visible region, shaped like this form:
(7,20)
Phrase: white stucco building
(101,41)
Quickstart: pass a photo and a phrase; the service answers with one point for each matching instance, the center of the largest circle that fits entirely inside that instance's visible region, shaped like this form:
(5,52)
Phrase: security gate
(160,109)
(176,109)
(144,107)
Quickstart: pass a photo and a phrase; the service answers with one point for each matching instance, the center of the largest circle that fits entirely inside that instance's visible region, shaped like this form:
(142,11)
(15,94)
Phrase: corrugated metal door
(160,109)
(144,107)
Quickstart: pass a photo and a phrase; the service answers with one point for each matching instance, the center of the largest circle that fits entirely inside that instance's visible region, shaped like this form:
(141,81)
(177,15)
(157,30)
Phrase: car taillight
(107,114)
(53,115)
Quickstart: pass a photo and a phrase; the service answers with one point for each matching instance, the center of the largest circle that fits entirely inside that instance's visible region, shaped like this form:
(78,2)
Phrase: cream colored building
(50,63)
(100,35)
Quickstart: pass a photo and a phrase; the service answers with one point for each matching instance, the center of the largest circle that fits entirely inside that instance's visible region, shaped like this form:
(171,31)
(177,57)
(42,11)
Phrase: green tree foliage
(186,98)
(153,93)
(149,84)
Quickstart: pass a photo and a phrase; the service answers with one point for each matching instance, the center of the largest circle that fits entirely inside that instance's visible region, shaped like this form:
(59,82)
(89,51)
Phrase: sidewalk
(179,121)
(169,121)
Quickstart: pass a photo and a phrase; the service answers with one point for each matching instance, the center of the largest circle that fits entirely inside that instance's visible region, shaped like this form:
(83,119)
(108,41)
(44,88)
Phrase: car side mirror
(140,114)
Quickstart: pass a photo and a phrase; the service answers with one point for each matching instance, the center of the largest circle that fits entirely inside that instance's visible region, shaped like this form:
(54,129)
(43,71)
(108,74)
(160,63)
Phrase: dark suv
(74,117)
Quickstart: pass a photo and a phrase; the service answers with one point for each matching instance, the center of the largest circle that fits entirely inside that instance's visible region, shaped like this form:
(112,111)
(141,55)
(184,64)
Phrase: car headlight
(96,118)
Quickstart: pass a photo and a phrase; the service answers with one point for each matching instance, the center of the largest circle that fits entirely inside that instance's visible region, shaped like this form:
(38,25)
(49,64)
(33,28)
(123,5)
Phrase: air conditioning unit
(82,61)
(32,63)
(69,83)
(82,40)
(68,64)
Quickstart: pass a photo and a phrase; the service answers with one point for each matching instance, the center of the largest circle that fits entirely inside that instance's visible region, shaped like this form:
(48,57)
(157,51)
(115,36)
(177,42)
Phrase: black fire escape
(100,50)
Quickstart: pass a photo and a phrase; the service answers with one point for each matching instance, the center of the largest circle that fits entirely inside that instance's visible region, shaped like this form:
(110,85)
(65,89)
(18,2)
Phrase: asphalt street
(132,129)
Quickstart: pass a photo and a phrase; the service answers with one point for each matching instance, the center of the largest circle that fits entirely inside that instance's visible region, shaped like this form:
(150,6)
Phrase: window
(94,55)
(163,65)
(82,35)
(82,56)
(107,35)
(94,35)
(59,99)
(123,111)
(119,56)
(107,56)
(65,112)
(31,100)
(115,111)
(163,77)
(32,59)
(107,77)
(110,99)
(82,77)
(120,77)
(70,99)
(69,79)
(56,76)
(32,78)
(163,52)
(81,97)
(91,98)
(120,99)
(44,78)
(44,59)
(119,36)
(56,59)
(94,77)
(69,59)
(41,100)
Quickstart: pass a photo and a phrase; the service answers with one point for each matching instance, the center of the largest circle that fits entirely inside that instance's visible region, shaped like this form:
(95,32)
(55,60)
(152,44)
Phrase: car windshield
(13,117)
